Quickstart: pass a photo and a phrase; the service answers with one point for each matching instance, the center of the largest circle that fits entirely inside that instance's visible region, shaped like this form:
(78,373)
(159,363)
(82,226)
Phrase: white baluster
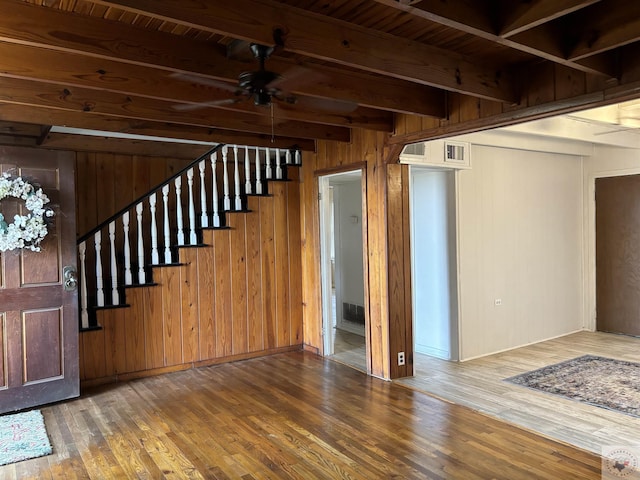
(226,201)
(204,218)
(84,313)
(298,158)
(214,187)
(287,157)
(115,296)
(167,226)
(141,275)
(128,278)
(269,173)
(155,257)
(99,290)
(236,178)
(278,166)
(247,171)
(193,239)
(178,184)
(258,173)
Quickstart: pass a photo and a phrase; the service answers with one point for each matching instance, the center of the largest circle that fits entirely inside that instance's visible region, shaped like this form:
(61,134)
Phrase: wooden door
(38,318)
(618,254)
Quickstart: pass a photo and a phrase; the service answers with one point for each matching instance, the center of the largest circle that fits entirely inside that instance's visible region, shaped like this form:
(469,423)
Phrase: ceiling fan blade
(209,82)
(189,107)
(294,78)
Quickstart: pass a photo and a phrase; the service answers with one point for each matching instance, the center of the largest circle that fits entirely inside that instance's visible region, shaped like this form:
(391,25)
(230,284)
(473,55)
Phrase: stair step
(244,210)
(137,285)
(91,328)
(111,307)
(192,245)
(172,264)
(223,227)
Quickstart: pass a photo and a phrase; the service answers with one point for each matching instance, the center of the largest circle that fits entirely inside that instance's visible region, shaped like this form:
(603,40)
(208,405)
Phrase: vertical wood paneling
(408,297)
(310,254)
(153,326)
(172,315)
(105,186)
(241,294)
(295,260)
(396,264)
(113,322)
(206,298)
(237,255)
(281,264)
(268,271)
(222,296)
(93,353)
(368,147)
(254,278)
(86,198)
(106,183)
(190,308)
(135,337)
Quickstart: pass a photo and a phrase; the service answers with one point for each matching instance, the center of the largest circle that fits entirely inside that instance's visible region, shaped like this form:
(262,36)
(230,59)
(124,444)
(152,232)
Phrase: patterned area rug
(23,436)
(603,382)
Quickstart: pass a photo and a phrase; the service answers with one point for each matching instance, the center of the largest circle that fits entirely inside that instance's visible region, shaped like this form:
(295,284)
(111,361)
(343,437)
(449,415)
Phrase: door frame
(590,299)
(454,287)
(325,285)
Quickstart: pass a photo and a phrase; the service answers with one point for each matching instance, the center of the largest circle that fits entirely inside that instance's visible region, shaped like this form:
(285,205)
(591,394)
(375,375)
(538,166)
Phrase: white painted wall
(520,239)
(349,270)
(606,161)
(433,265)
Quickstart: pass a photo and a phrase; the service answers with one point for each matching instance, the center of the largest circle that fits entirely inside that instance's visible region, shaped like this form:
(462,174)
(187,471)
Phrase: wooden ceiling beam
(604,27)
(28,92)
(26,24)
(39,115)
(463,17)
(23,61)
(303,32)
(526,15)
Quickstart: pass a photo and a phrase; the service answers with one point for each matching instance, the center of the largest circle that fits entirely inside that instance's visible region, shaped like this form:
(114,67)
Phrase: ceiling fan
(261,85)
(264,86)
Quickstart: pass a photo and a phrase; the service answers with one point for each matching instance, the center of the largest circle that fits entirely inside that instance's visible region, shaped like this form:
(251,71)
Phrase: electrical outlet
(497,302)
(400,359)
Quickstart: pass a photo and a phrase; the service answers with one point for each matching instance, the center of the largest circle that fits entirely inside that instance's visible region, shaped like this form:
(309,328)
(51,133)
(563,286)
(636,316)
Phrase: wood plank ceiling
(169,68)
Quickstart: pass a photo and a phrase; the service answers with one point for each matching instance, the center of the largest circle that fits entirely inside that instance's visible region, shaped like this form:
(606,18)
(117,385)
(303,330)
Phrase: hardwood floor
(292,415)
(349,348)
(479,384)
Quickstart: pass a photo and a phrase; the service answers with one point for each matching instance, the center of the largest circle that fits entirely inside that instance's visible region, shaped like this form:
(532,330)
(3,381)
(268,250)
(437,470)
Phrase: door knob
(70,278)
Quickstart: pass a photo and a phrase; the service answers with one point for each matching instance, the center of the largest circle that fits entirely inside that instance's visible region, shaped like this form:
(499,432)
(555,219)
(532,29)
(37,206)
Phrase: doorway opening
(342,256)
(433,261)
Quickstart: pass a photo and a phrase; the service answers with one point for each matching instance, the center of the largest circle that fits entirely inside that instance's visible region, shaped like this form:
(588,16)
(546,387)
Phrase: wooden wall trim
(340,169)
(505,119)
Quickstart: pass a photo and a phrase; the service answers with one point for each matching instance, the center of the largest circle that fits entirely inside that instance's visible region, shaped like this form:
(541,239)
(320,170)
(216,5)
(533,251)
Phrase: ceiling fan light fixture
(261,99)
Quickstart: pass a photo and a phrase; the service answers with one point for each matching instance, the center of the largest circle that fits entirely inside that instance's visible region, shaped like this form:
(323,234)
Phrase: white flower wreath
(26,231)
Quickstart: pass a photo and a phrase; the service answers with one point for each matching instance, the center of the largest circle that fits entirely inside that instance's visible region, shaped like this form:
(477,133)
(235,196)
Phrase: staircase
(130,262)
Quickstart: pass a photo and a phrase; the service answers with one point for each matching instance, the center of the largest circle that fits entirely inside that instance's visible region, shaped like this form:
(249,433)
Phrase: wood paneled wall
(106,183)
(367,150)
(238,297)
(388,282)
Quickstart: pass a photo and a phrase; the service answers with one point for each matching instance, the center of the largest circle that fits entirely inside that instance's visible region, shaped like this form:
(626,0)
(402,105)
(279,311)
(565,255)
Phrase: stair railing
(103,283)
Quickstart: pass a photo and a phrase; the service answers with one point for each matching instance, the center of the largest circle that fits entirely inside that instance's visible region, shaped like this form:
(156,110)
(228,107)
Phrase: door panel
(617,254)
(39,361)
